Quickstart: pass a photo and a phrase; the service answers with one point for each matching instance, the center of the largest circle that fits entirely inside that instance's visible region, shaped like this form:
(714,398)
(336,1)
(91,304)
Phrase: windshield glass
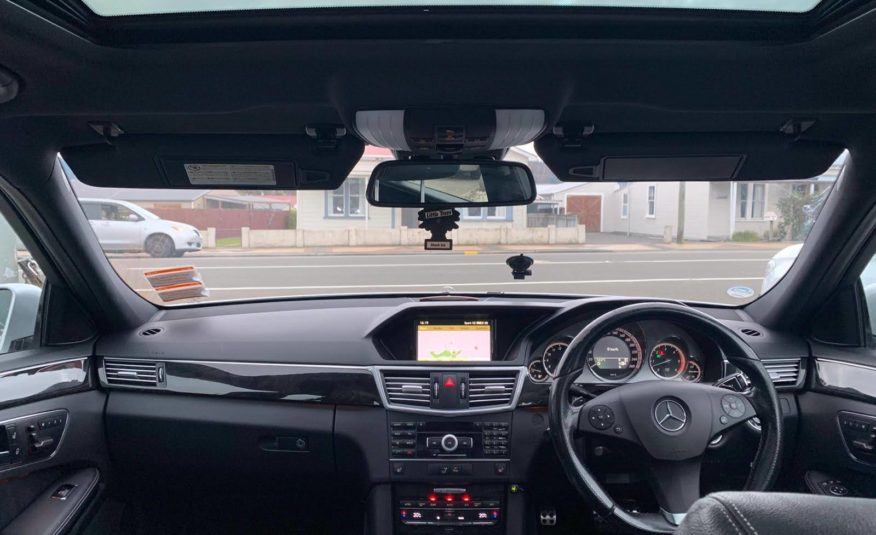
(115,8)
(727,242)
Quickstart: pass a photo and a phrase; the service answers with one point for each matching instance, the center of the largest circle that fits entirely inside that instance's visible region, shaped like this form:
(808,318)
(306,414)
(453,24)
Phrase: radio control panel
(449,439)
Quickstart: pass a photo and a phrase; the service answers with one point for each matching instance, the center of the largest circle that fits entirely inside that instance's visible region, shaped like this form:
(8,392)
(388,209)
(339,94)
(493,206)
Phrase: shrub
(746,236)
(292,223)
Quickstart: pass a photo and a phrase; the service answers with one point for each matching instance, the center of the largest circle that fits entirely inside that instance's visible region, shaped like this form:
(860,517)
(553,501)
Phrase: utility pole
(679,237)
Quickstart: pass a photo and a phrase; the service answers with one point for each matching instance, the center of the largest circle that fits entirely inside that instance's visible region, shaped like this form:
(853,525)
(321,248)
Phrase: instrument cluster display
(618,356)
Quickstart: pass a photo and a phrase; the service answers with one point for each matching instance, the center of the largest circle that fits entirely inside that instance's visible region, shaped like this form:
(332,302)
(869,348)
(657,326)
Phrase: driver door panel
(51,422)
(838,418)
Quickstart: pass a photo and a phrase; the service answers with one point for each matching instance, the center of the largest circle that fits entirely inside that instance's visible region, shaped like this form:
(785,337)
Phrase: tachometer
(667,360)
(694,372)
(552,356)
(537,372)
(615,356)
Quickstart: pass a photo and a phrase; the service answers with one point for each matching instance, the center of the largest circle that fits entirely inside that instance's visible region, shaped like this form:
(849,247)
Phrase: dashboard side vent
(151,331)
(490,388)
(133,373)
(783,372)
(407,388)
(751,332)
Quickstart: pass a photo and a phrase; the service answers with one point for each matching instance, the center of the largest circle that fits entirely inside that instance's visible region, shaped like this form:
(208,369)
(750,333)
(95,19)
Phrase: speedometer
(615,356)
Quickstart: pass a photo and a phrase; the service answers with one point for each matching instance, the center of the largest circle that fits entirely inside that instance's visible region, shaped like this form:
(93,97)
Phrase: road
(694,275)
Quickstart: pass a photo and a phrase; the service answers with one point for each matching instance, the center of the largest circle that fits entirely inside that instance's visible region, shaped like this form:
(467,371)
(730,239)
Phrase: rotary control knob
(449,442)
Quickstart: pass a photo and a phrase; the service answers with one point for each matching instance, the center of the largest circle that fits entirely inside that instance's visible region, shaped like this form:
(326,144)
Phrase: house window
(742,200)
(347,200)
(652,201)
(625,205)
(758,198)
(487,213)
(496,212)
(473,213)
(750,201)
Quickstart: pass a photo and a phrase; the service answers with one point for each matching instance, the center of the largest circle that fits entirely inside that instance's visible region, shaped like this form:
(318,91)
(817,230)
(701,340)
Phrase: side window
(123,213)
(868,283)
(21,282)
(107,212)
(92,211)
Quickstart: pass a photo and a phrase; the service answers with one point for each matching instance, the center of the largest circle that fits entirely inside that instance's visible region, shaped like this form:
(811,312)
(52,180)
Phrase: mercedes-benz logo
(670,415)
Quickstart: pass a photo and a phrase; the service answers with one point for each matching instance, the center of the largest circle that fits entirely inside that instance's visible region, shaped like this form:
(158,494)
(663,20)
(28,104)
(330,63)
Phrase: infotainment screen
(454,340)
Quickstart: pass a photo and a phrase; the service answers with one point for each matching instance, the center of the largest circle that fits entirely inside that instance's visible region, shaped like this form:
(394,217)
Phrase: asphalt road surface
(691,275)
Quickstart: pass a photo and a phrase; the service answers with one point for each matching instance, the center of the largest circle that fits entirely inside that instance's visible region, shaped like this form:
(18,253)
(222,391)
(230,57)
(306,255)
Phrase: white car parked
(782,261)
(122,226)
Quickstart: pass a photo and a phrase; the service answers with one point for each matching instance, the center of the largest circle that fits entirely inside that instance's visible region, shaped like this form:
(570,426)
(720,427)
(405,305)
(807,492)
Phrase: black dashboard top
(349,332)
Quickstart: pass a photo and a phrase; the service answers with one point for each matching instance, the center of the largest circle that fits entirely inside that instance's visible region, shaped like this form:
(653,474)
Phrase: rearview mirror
(471,183)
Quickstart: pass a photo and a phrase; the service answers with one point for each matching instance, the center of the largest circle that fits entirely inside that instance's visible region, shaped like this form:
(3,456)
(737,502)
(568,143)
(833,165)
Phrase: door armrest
(56,508)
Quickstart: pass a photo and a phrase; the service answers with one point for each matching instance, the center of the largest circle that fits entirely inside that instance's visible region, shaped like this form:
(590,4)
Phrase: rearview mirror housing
(457,184)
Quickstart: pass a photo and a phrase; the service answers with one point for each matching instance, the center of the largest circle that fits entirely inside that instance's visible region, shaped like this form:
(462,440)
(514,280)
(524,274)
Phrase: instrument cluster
(640,351)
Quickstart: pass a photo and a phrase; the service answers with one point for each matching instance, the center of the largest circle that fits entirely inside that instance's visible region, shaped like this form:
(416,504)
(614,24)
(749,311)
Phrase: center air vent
(491,388)
(407,388)
(151,332)
(133,373)
(783,372)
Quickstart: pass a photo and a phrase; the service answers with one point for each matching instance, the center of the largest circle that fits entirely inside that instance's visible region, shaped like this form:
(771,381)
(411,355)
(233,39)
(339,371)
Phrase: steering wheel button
(601,417)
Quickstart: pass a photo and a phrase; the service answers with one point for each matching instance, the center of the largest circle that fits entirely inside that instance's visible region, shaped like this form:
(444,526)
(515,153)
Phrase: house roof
(550,189)
(137,194)
(288,200)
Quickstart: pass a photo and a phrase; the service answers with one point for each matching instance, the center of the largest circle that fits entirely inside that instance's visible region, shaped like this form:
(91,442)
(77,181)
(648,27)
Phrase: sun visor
(215,162)
(672,157)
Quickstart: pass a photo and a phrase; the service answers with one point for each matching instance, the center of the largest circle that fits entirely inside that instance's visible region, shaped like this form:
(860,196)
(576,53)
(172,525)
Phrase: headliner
(643,84)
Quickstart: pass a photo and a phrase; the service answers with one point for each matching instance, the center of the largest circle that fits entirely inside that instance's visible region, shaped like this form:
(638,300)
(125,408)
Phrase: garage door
(588,208)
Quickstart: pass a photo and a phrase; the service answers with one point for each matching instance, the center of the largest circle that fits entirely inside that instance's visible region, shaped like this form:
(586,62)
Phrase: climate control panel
(449,509)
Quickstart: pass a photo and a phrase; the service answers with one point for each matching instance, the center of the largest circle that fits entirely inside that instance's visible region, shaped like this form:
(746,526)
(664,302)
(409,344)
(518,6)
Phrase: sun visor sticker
(230,174)
(172,284)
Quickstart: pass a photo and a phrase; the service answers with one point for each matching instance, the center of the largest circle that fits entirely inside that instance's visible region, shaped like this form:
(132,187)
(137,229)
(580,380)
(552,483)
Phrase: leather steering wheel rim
(564,418)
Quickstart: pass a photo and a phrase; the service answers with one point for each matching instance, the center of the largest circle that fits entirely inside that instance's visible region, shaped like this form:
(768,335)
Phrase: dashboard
(642,351)
(426,399)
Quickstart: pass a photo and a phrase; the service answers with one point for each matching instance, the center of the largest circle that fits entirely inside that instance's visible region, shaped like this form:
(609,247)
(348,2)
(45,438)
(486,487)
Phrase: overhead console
(434,132)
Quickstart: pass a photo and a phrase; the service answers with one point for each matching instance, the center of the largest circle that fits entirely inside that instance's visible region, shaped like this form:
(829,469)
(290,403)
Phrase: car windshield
(720,242)
(115,8)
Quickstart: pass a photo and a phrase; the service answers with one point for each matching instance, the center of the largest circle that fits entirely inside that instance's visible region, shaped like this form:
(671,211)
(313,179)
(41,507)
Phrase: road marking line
(449,264)
(475,284)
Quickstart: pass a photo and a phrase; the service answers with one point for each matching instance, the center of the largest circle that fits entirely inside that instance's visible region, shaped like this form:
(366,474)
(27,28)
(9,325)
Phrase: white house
(712,210)
(346,207)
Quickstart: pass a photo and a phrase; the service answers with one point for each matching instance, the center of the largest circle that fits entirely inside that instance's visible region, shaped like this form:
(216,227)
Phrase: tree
(793,210)
(679,237)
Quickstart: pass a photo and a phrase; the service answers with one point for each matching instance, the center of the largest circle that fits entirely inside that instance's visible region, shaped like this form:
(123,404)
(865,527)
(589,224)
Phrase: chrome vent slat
(491,388)
(784,372)
(401,389)
(486,389)
(118,372)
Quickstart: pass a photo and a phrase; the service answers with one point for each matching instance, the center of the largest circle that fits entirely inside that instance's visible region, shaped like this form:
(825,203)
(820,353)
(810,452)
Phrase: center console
(450,473)
(450,397)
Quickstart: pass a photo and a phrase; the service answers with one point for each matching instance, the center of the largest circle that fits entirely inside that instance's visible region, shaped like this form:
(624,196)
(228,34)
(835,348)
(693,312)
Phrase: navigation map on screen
(446,341)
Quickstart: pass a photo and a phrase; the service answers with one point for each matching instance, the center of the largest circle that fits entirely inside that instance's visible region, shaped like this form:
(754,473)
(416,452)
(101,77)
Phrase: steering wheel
(672,420)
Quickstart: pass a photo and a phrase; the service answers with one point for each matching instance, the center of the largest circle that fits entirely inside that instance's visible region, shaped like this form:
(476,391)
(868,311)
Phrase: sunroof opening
(115,8)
